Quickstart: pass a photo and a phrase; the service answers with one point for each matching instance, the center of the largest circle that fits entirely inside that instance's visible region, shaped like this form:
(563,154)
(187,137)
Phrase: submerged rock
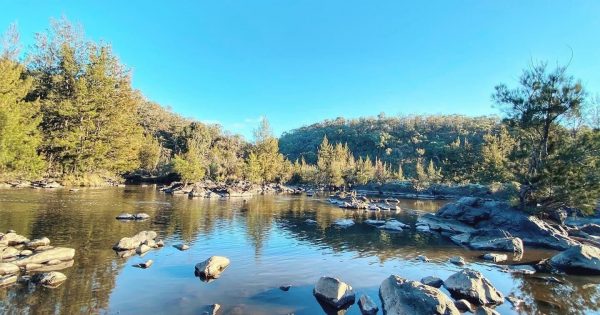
(474,287)
(146,264)
(581,259)
(285,288)
(522,269)
(400,296)
(334,292)
(394,225)
(125,216)
(343,223)
(50,279)
(212,267)
(433,282)
(367,305)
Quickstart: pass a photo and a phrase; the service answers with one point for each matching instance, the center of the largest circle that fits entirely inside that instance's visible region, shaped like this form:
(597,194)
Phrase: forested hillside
(453,142)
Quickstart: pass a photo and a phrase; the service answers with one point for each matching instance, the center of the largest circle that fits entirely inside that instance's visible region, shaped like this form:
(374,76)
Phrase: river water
(268,243)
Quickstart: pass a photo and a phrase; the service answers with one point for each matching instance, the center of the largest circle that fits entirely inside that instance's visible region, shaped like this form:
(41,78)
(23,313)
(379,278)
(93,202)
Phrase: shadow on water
(269,244)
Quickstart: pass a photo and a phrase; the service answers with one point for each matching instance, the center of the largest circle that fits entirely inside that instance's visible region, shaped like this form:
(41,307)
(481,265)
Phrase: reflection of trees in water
(575,296)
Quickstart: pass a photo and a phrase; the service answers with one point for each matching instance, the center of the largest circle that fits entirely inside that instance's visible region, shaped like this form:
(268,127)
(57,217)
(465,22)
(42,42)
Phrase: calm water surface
(268,243)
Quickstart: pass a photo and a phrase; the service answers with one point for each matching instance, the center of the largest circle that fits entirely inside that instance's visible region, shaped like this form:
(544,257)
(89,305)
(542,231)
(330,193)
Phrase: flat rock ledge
(581,259)
(400,296)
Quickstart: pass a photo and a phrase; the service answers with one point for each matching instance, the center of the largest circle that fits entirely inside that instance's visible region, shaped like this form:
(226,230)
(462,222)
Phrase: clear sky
(298,62)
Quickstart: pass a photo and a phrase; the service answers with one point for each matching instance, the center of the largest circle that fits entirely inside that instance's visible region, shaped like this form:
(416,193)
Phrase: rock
(7,280)
(142,249)
(49,266)
(474,287)
(490,239)
(515,301)
(50,279)
(310,221)
(394,225)
(285,287)
(151,244)
(43,248)
(25,253)
(212,267)
(160,243)
(495,257)
(212,309)
(334,292)
(522,269)
(433,282)
(464,306)
(344,223)
(484,214)
(400,296)
(423,228)
(44,241)
(134,242)
(8,269)
(146,264)
(374,222)
(457,260)
(422,258)
(581,259)
(57,253)
(482,310)
(8,252)
(436,223)
(125,216)
(182,246)
(54,262)
(33,266)
(591,229)
(367,306)
(12,238)
(142,216)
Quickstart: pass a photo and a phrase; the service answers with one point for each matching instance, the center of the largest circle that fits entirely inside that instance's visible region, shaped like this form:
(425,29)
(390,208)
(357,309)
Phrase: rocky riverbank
(32,260)
(241,189)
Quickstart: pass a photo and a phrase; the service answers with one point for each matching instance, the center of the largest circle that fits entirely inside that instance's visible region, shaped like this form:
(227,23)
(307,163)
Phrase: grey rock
(457,260)
(127,243)
(581,259)
(50,279)
(182,246)
(400,296)
(482,310)
(212,267)
(44,241)
(495,257)
(433,281)
(474,287)
(367,305)
(57,253)
(464,306)
(8,269)
(334,292)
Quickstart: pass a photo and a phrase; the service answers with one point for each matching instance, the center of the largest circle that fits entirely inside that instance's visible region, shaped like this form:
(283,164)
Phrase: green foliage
(190,165)
(266,164)
(19,137)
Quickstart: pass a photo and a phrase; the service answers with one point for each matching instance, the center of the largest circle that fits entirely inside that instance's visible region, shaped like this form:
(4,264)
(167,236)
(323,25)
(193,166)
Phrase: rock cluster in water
(35,258)
(354,202)
(241,189)
(140,244)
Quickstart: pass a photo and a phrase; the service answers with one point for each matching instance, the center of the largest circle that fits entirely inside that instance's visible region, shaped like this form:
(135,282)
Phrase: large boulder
(580,259)
(56,253)
(212,267)
(479,213)
(334,292)
(474,287)
(436,223)
(400,296)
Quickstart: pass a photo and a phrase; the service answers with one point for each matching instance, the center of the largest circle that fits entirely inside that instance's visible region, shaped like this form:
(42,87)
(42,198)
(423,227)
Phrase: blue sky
(299,62)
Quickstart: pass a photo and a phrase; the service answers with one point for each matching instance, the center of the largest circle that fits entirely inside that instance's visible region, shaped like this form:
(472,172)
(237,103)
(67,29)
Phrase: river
(268,243)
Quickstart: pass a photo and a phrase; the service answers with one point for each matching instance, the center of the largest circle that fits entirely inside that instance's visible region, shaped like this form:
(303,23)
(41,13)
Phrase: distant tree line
(68,110)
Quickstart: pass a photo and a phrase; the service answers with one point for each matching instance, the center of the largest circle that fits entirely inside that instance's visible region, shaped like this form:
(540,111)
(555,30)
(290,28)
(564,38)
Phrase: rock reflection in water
(268,242)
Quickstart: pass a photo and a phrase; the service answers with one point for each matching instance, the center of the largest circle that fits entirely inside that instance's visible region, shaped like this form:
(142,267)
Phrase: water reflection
(269,244)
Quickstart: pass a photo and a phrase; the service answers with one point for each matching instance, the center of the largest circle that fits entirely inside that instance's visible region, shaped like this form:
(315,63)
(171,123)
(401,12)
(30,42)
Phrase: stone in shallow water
(44,241)
(422,258)
(57,253)
(344,223)
(367,305)
(212,267)
(182,246)
(474,287)
(8,269)
(580,259)
(495,257)
(334,292)
(457,260)
(50,279)
(7,280)
(400,296)
(285,287)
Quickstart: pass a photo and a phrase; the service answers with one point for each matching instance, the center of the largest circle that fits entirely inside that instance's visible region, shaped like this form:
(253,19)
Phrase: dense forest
(68,111)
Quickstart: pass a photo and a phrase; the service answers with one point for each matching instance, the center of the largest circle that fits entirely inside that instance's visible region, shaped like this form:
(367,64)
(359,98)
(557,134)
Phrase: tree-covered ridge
(452,142)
